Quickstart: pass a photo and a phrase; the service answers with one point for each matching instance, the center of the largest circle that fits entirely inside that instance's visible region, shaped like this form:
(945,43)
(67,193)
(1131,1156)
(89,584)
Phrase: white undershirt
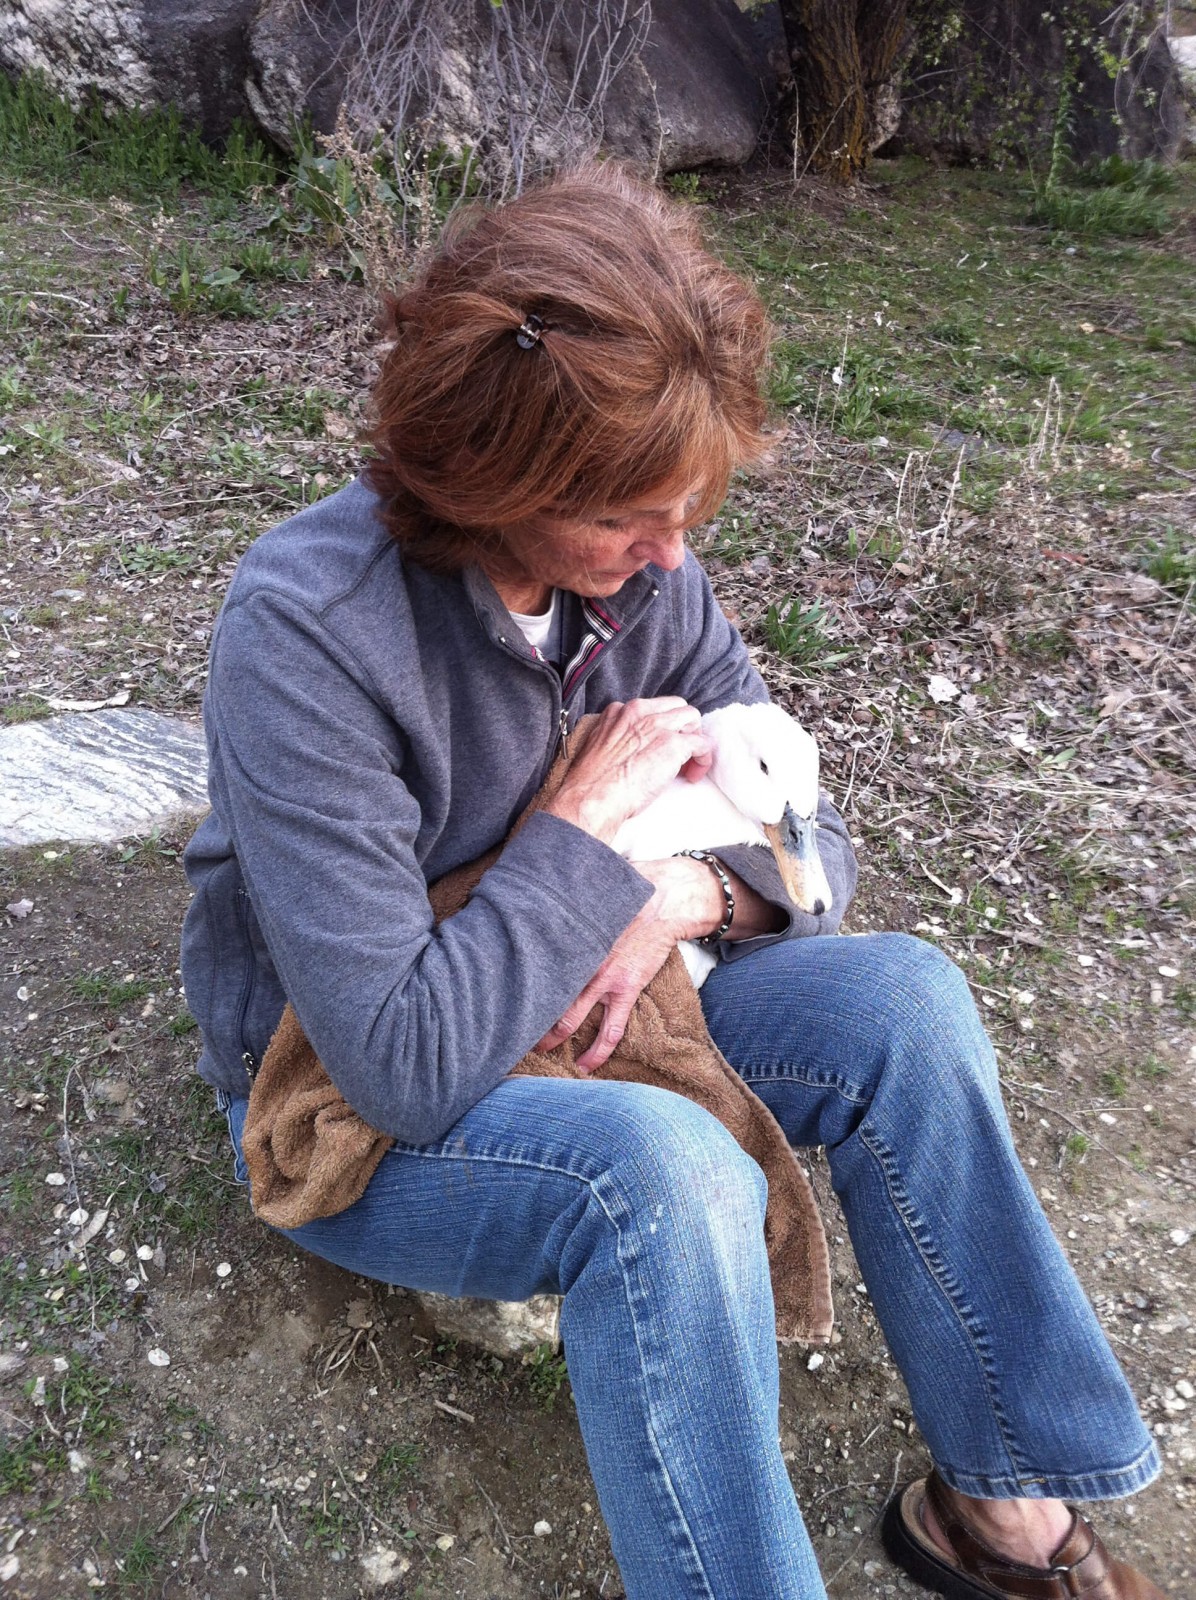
(536,629)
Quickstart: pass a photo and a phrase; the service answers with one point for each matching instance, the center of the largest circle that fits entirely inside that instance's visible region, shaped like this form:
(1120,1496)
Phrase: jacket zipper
(248,1060)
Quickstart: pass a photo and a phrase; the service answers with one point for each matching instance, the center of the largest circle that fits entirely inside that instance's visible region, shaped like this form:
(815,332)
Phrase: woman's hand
(685,904)
(633,753)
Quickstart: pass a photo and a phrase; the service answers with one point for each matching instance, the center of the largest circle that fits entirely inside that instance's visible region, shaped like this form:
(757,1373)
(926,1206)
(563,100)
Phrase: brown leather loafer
(1081,1567)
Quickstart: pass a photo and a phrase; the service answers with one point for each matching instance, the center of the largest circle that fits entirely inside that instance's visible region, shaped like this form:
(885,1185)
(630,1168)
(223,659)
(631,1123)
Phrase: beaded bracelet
(716,867)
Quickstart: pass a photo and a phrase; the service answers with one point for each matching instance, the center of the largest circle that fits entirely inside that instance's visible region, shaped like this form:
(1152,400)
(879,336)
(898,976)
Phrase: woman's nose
(665,550)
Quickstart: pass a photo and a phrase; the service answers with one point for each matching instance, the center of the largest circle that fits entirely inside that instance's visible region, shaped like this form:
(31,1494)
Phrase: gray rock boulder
(154,52)
(990,92)
(699,92)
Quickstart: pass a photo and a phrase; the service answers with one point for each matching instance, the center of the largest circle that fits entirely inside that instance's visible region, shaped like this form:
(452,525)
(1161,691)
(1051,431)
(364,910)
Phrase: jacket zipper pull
(564,733)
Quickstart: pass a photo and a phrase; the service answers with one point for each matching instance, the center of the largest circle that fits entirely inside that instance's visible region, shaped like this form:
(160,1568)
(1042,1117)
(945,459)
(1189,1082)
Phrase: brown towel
(310,1155)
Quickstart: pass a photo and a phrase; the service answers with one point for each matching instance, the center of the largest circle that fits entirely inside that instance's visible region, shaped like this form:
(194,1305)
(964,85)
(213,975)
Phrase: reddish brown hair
(647,375)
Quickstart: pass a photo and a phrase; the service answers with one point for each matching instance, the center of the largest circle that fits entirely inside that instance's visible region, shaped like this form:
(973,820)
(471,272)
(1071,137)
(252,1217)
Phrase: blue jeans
(645,1215)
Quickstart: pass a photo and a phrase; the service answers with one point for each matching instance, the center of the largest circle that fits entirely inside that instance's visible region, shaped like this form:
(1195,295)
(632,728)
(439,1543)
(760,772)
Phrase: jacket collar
(625,608)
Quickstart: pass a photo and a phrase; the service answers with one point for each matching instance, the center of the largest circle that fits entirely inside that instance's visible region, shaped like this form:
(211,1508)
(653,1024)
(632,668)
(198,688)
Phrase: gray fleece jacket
(370,727)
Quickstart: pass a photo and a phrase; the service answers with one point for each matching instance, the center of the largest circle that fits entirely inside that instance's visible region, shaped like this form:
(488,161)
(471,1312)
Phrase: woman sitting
(570,382)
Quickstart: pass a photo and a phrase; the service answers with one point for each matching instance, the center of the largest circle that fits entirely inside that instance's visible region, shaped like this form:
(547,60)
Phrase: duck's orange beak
(795,845)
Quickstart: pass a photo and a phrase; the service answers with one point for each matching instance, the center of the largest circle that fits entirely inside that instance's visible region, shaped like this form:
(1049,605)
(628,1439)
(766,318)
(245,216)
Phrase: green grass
(107,990)
(1172,562)
(103,150)
(945,313)
(547,1374)
(1121,213)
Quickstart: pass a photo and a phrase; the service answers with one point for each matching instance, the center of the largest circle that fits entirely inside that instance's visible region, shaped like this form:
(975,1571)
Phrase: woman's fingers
(614,1025)
(636,749)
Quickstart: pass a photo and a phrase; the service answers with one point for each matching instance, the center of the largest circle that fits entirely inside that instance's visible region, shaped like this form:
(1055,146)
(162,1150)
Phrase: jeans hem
(1113,1484)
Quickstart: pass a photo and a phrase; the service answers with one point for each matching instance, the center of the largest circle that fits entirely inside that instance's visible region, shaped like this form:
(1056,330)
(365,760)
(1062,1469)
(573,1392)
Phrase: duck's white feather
(764,760)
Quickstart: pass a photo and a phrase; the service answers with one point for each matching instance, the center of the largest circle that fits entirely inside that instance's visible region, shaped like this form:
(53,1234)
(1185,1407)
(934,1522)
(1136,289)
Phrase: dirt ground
(983,478)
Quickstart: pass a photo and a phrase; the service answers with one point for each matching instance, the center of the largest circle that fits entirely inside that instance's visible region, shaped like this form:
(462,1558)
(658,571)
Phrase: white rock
(223,1269)
(157,1357)
(98,776)
(56,1180)
(145,1252)
(380,1566)
(815,1361)
(78,1217)
(445,1542)
(77,1461)
(117,1256)
(1180,1236)
(503,1327)
(9,1567)
(61,1364)
(542,1529)
(1185,1388)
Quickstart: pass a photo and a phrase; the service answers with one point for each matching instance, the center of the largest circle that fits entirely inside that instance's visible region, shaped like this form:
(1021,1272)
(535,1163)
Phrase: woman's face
(597,557)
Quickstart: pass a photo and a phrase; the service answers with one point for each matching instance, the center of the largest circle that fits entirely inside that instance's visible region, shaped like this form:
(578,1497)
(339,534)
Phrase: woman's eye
(764,768)
(612,522)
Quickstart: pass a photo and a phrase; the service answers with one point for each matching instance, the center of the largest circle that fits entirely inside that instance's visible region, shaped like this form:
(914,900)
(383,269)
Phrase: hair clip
(527,335)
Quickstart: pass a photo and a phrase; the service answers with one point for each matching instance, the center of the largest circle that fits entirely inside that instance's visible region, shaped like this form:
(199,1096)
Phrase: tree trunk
(841,55)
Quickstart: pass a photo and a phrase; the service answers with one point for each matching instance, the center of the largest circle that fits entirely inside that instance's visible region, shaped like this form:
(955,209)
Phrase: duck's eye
(764,768)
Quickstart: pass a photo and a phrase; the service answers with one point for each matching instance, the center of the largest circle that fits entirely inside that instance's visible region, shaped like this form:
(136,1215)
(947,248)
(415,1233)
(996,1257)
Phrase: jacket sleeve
(714,670)
(413,1022)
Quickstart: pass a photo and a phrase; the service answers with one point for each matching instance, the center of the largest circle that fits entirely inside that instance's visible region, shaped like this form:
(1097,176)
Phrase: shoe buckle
(1062,1570)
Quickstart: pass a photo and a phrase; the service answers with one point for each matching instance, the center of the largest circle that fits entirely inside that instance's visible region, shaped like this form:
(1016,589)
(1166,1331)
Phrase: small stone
(223,1269)
(145,1252)
(445,1542)
(1109,1120)
(56,1180)
(1185,1388)
(117,1256)
(381,1566)
(1180,1236)
(19,909)
(78,1217)
(815,1361)
(157,1357)
(542,1529)
(1168,972)
(359,1314)
(77,1461)
(9,1567)
(1086,961)
(61,1364)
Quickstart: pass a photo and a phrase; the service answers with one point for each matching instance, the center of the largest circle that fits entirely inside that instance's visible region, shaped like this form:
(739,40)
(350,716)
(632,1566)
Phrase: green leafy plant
(799,634)
(1172,562)
(546,1375)
(101,148)
(191,288)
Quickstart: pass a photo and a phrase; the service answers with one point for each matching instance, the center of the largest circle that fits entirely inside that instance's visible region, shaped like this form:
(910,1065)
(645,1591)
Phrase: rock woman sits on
(571,380)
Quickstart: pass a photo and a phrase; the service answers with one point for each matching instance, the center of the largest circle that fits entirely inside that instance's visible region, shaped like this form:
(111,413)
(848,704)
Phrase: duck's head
(767,766)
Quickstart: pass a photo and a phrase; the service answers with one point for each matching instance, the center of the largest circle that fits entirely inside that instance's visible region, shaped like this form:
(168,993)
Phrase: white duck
(761,789)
